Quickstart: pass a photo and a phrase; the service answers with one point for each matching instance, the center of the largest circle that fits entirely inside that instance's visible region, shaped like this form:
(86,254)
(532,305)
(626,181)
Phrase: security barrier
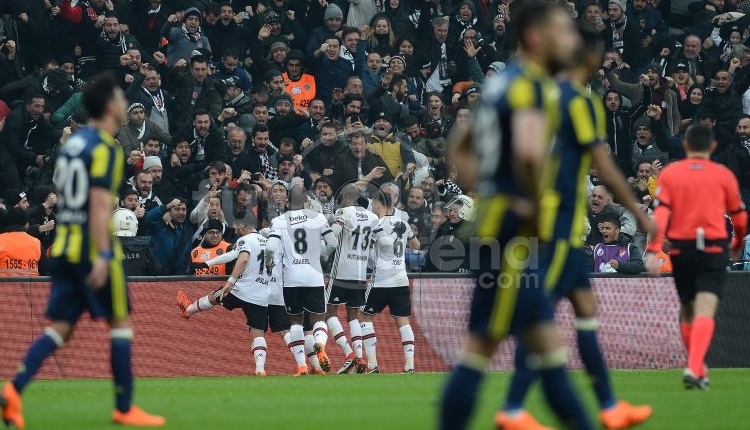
(638,320)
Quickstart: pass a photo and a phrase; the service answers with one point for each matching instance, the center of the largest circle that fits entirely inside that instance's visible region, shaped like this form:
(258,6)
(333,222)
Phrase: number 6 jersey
(388,253)
(300,233)
(357,225)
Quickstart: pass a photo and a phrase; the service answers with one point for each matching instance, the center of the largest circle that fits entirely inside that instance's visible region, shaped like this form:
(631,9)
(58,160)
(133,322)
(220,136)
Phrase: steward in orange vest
(212,246)
(300,86)
(20,253)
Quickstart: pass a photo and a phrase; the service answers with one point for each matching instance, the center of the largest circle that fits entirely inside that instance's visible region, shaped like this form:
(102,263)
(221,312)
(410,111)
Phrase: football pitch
(385,401)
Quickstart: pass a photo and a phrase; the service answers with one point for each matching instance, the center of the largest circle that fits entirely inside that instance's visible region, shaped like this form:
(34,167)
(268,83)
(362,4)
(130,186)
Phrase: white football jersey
(300,233)
(388,253)
(275,285)
(353,250)
(252,286)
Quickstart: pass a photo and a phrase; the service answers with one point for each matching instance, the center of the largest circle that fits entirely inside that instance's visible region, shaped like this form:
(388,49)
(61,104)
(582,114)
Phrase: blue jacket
(169,248)
(329,75)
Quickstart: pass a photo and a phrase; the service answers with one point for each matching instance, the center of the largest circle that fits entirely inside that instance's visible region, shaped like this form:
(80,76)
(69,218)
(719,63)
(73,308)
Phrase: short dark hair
(350,98)
(199,112)
(198,59)
(231,52)
(410,121)
(348,30)
(323,180)
(127,192)
(259,128)
(30,98)
(218,165)
(531,15)
(396,81)
(614,220)
(384,199)
(180,199)
(99,92)
(699,138)
(212,8)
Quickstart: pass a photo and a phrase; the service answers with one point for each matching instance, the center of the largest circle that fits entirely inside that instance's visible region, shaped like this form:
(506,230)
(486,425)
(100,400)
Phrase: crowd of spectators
(233,103)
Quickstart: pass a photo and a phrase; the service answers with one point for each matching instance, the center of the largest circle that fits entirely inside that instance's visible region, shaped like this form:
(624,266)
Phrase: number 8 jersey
(388,253)
(89,158)
(300,232)
(357,225)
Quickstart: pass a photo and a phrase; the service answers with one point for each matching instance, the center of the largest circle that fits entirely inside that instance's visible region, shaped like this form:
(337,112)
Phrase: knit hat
(384,116)
(57,78)
(398,57)
(151,161)
(135,106)
(641,122)
(333,11)
(497,66)
(12,197)
(471,6)
(271,18)
(681,66)
(213,224)
(656,67)
(192,11)
(15,217)
(283,98)
(476,88)
(619,3)
(278,45)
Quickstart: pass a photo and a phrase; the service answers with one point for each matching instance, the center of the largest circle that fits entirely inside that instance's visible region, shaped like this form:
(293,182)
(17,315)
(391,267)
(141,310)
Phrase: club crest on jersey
(206,256)
(623,251)
(240,244)
(599,252)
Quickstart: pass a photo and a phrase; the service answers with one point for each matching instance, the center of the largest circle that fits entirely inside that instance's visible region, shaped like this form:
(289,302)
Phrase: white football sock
(407,340)
(202,304)
(337,331)
(260,349)
(370,342)
(320,332)
(312,357)
(356,332)
(297,344)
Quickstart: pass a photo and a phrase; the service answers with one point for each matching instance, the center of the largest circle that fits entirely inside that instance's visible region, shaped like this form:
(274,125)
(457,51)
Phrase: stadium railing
(638,318)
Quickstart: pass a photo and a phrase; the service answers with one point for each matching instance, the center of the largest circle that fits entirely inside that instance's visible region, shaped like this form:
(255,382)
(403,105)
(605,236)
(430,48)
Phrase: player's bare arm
(99,220)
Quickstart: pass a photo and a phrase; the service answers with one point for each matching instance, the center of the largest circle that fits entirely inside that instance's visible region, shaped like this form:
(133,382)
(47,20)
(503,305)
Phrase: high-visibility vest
(201,255)
(19,254)
(302,91)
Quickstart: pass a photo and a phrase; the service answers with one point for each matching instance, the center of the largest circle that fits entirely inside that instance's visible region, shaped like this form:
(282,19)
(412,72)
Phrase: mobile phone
(245,15)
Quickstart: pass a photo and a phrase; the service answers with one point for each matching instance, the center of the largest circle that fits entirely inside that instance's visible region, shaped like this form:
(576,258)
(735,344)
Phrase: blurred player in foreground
(562,263)
(86,266)
(692,197)
(512,132)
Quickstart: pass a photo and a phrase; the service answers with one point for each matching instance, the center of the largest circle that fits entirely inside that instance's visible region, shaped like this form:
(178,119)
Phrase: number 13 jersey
(300,232)
(353,250)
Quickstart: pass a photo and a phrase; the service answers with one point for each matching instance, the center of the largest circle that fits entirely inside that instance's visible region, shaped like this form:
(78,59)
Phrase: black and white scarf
(121,41)
(193,37)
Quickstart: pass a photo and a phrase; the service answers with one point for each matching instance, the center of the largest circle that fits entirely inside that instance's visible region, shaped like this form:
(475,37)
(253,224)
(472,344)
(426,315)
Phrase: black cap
(286,159)
(681,66)
(15,217)
(383,115)
(272,17)
(214,224)
(12,197)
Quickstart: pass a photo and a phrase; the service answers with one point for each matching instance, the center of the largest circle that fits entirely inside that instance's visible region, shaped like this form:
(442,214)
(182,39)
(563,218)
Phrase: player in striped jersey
(298,234)
(86,265)
(353,226)
(389,284)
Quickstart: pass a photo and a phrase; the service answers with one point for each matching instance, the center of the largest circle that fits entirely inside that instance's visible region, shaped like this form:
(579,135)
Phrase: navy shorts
(507,297)
(70,296)
(350,293)
(563,270)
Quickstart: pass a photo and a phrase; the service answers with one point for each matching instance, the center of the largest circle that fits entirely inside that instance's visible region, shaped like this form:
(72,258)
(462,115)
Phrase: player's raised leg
(190,307)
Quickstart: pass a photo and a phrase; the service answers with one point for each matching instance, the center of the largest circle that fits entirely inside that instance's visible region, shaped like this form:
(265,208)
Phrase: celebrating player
(86,266)
(693,195)
(297,234)
(353,226)
(389,284)
(511,134)
(247,289)
(562,263)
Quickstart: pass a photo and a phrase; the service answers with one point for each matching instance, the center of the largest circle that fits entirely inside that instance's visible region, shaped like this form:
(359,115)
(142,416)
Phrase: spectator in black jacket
(621,33)
(319,157)
(737,157)
(156,102)
(54,87)
(146,19)
(238,157)
(236,103)
(619,122)
(113,44)
(206,140)
(358,165)
(194,91)
(28,137)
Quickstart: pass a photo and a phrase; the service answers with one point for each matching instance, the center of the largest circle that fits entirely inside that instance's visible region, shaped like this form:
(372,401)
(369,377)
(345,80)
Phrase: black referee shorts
(697,271)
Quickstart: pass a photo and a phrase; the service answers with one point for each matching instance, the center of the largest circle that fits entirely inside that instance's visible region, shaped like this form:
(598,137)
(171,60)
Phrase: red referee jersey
(696,193)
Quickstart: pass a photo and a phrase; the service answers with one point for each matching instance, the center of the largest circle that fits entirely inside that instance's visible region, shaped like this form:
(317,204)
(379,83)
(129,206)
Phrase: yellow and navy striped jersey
(563,194)
(521,87)
(89,158)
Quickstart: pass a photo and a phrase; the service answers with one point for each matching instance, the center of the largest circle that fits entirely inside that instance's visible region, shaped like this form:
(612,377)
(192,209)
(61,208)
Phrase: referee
(692,197)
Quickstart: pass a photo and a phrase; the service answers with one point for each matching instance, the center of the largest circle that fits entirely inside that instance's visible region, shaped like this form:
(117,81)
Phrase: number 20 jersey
(353,250)
(89,158)
(300,232)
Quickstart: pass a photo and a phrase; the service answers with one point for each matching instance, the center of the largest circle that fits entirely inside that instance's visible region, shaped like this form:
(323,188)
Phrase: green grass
(361,402)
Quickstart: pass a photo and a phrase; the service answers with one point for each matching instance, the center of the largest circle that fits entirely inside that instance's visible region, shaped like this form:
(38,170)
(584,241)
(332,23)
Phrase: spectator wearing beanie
(465,17)
(621,33)
(332,19)
(184,37)
(54,87)
(139,130)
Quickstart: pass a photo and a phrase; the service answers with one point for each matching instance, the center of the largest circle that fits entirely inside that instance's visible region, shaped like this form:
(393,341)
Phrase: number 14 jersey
(357,225)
